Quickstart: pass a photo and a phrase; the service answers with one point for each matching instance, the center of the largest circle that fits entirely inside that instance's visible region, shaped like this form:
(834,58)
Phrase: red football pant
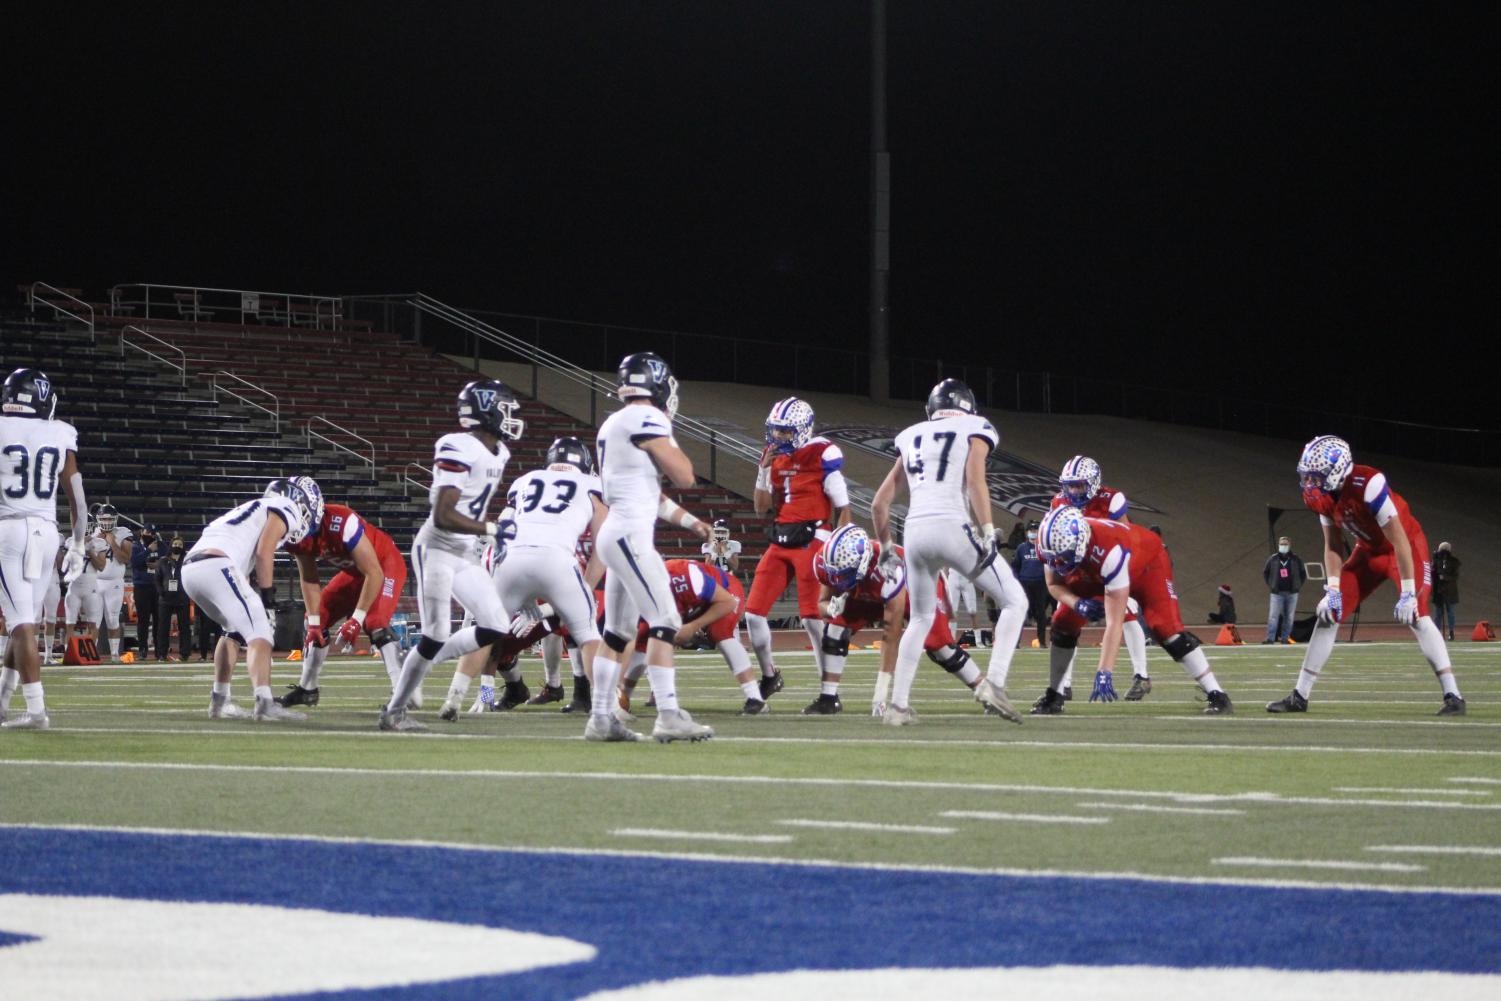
(1153,590)
(779,565)
(342,595)
(1365,571)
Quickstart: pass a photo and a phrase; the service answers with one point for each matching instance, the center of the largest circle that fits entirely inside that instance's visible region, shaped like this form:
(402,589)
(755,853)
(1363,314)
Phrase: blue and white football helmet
(301,507)
(29,393)
(1325,463)
(845,558)
(950,398)
(646,374)
(490,405)
(1063,538)
(1080,480)
(791,417)
(309,486)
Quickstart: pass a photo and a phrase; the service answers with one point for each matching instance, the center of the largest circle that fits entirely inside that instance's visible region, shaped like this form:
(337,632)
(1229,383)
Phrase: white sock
(1068,675)
(970,674)
(828,687)
(312,666)
(664,687)
(458,686)
(1431,642)
(814,629)
(1196,666)
(759,631)
(552,661)
(114,646)
(35,704)
(413,673)
(606,677)
(576,661)
(1011,601)
(1315,656)
(1136,647)
(750,690)
(511,675)
(262,692)
(883,688)
(907,653)
(222,688)
(390,655)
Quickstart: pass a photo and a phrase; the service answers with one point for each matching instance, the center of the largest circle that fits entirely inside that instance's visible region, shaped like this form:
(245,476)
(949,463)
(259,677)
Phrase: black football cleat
(770,686)
(824,705)
(1051,704)
(1294,703)
(296,695)
(752,707)
(1068,693)
(580,703)
(1453,706)
(515,694)
(549,693)
(1140,688)
(1219,705)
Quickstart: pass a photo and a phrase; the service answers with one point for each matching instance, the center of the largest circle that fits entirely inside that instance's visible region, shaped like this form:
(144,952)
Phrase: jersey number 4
(39,478)
(914,459)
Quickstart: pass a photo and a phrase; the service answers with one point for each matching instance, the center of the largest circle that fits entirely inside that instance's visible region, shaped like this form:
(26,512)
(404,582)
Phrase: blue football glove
(1091,609)
(1104,687)
(1406,611)
(1331,607)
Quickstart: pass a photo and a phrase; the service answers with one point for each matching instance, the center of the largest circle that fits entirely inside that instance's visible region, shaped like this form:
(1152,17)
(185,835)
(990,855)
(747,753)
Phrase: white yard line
(1415,792)
(858,825)
(1293,863)
(653,832)
(1435,849)
(1026,818)
(1476,781)
(1290,884)
(1150,808)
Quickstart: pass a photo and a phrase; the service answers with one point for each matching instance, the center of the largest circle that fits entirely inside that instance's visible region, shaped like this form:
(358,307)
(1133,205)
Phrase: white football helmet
(1080,480)
(845,558)
(1325,463)
(1063,538)
(302,519)
(791,417)
(108,518)
(309,486)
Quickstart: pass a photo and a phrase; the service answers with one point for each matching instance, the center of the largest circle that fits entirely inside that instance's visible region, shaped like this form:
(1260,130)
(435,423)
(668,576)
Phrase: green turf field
(1369,788)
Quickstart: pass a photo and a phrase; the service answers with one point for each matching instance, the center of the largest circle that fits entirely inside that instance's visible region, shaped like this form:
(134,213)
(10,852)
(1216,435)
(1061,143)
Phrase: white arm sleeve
(1378,498)
(836,489)
(1115,570)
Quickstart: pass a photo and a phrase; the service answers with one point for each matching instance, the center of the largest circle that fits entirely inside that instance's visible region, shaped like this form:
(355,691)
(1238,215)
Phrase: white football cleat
(991,696)
(897,716)
(272,710)
(676,724)
(27,721)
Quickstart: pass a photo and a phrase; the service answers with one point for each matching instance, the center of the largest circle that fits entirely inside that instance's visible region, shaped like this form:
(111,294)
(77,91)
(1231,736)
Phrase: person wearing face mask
(143,556)
(172,600)
(1029,570)
(1284,576)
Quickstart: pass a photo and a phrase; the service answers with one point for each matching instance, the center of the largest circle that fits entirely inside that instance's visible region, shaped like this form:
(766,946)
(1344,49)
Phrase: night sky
(1279,194)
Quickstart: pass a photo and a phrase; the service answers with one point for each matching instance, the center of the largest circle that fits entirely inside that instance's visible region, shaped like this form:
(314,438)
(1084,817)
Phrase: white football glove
(72,567)
(1331,606)
(836,605)
(890,562)
(525,620)
(1406,611)
(878,709)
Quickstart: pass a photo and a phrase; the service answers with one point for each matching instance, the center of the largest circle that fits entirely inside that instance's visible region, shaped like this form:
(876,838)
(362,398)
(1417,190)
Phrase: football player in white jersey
(81,607)
(467,467)
(942,461)
(215,575)
(116,539)
(38,454)
(553,506)
(49,605)
(961,591)
(636,448)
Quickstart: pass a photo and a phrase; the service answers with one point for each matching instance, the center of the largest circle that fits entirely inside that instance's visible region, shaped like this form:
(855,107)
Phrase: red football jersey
(797,481)
(692,585)
(1107,502)
(1115,546)
(1364,503)
(338,534)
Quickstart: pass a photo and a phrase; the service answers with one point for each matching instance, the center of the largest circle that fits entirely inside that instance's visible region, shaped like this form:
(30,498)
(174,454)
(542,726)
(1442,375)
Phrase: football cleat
(753,707)
(1294,703)
(1453,706)
(1219,705)
(897,716)
(581,701)
(450,711)
(399,722)
(622,714)
(549,693)
(268,709)
(1068,693)
(27,721)
(1141,686)
(1051,704)
(296,695)
(607,729)
(515,694)
(993,698)
(676,724)
(224,707)
(770,686)
(824,705)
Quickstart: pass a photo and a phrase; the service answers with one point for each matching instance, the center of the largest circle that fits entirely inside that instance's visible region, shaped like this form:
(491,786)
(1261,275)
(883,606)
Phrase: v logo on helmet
(658,369)
(43,388)
(485,398)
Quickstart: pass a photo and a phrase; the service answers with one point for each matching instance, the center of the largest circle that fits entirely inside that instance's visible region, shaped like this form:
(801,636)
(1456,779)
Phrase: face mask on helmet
(844,561)
(108,518)
(1063,539)
(1324,465)
(645,374)
(789,426)
(721,532)
(1080,480)
(489,405)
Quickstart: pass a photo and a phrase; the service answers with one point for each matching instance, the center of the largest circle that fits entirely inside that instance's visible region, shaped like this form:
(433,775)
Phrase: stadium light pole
(880,211)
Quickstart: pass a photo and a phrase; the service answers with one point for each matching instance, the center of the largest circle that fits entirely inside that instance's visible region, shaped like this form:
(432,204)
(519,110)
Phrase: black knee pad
(485,637)
(953,662)
(836,646)
(380,637)
(237,638)
(614,642)
(1065,640)
(666,634)
(1181,645)
(427,647)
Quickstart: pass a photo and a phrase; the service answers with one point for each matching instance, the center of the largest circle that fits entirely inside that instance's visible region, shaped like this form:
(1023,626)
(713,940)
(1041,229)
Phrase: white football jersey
(32,454)
(934,454)
(236,532)
(461,460)
(632,485)
(93,545)
(113,568)
(553,507)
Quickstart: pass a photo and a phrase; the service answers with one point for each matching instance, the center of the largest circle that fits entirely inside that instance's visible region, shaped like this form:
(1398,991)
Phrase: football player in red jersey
(855,593)
(1093,566)
(710,601)
(1079,485)
(363,592)
(802,484)
(1390,545)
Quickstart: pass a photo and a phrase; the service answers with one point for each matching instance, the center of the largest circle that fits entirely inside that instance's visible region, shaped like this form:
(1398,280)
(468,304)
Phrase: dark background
(1284,199)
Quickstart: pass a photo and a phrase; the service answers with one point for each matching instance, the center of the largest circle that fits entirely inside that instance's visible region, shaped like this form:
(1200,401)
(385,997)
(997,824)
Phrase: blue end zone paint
(655,919)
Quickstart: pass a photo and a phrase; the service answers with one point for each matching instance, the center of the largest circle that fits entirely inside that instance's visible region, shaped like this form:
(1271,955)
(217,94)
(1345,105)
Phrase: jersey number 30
(39,478)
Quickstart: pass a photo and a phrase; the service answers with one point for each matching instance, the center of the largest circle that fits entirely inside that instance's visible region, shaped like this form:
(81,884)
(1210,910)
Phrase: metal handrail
(31,302)
(182,368)
(406,479)
(276,403)
(333,303)
(311,434)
